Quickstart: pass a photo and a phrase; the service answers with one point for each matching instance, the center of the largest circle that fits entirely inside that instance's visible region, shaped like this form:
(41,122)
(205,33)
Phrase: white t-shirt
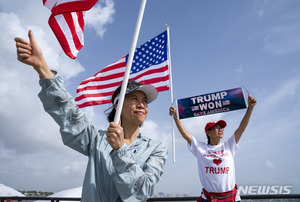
(215,164)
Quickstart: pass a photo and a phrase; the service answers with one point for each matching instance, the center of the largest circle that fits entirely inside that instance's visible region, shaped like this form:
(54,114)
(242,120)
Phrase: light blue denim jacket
(128,174)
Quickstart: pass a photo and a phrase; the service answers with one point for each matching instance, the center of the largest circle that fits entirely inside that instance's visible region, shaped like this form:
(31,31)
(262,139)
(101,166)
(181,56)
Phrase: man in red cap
(215,159)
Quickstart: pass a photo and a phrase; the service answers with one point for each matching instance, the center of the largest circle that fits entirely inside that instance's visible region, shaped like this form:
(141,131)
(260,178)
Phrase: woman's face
(135,108)
(216,132)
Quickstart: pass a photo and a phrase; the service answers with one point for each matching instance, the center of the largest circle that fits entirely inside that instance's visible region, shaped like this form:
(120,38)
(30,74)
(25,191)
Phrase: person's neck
(130,133)
(214,142)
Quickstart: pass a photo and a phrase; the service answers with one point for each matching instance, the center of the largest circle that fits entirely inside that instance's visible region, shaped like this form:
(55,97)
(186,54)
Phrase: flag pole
(171,89)
(129,62)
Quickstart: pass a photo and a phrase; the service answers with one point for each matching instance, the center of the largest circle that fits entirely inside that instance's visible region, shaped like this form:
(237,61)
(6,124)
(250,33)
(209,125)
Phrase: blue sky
(215,45)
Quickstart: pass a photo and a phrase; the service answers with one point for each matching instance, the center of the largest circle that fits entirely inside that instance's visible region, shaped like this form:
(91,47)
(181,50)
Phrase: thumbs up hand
(31,54)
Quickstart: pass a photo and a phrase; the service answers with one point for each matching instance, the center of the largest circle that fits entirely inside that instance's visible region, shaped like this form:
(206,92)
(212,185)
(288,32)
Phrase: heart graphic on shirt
(217,161)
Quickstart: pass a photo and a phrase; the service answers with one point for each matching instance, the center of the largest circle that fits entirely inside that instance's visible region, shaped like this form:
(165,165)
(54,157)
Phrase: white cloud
(99,16)
(163,131)
(281,96)
(26,128)
(32,164)
(19,86)
(259,6)
(269,164)
(282,35)
(6,153)
(195,126)
(74,168)
(157,131)
(283,39)
(239,69)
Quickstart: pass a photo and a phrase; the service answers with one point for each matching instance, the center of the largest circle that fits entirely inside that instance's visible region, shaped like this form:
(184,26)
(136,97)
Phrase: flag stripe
(67,23)
(55,26)
(94,102)
(97,90)
(75,30)
(71,6)
(101,99)
(118,66)
(49,4)
(150,66)
(105,88)
(151,73)
(107,96)
(109,78)
(64,36)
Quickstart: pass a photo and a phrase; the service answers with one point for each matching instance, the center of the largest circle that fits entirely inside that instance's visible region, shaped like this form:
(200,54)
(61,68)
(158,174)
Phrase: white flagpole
(171,90)
(129,62)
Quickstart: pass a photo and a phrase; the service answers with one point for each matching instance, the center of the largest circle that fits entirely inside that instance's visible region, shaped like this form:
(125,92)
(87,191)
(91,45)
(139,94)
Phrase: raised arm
(239,131)
(56,100)
(179,125)
(31,54)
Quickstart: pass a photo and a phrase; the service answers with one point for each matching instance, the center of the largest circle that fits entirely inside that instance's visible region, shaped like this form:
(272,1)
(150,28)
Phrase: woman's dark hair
(111,111)
(208,139)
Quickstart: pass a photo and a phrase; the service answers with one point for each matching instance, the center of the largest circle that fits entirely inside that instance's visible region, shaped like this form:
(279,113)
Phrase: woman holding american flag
(123,164)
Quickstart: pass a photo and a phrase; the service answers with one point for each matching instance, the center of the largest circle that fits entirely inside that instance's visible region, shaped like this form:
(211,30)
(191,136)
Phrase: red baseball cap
(209,125)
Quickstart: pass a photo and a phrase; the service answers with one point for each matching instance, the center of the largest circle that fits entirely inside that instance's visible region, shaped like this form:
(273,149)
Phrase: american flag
(149,66)
(195,108)
(226,102)
(67,23)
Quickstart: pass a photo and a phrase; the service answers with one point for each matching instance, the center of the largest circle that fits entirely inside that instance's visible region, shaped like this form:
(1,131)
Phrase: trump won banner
(212,103)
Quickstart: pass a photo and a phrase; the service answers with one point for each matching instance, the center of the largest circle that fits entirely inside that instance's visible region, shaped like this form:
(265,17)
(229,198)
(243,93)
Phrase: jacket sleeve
(75,129)
(135,182)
